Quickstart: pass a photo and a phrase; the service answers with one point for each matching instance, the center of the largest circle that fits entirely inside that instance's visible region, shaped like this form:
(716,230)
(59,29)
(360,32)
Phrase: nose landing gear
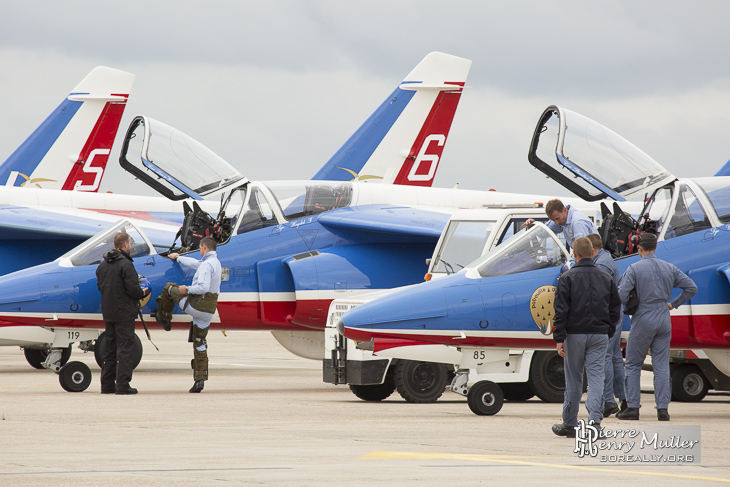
(75,377)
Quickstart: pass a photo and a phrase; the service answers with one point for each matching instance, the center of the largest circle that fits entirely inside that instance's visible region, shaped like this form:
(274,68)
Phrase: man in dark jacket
(587,308)
(118,283)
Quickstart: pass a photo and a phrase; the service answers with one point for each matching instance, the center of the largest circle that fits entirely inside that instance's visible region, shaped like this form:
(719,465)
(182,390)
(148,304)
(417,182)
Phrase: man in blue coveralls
(651,326)
(566,220)
(614,383)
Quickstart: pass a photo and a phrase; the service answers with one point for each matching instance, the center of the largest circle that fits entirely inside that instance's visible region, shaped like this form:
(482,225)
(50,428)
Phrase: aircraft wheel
(75,377)
(517,391)
(688,384)
(485,398)
(137,352)
(373,392)
(547,376)
(36,357)
(100,349)
(420,382)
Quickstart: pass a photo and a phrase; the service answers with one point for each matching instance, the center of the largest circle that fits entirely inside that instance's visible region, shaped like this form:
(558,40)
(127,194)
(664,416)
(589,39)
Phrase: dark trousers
(118,355)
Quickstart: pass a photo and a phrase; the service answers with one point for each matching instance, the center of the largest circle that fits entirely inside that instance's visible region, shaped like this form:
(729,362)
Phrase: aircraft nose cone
(340,327)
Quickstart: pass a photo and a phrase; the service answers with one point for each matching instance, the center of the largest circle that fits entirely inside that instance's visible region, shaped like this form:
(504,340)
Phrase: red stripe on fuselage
(712,331)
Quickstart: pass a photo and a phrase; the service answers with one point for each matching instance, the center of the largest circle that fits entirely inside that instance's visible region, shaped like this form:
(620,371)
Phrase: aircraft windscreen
(717,190)
(463,243)
(256,213)
(531,249)
(92,251)
(688,215)
(299,199)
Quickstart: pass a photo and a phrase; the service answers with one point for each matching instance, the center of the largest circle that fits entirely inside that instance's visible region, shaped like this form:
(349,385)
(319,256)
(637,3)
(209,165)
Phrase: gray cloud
(276,87)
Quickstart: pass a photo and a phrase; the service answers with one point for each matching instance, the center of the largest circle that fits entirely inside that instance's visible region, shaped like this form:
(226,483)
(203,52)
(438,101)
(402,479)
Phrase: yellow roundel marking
(541,308)
(144,300)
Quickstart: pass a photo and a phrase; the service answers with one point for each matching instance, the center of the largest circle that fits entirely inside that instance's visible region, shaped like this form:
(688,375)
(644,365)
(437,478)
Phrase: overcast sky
(276,87)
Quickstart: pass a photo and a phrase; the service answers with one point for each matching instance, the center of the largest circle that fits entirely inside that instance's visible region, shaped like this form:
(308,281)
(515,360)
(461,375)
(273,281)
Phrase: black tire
(36,357)
(547,376)
(689,384)
(485,398)
(373,392)
(420,382)
(75,377)
(138,351)
(517,391)
(100,348)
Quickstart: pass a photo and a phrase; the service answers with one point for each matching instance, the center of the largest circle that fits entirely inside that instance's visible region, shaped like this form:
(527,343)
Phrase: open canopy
(174,164)
(590,160)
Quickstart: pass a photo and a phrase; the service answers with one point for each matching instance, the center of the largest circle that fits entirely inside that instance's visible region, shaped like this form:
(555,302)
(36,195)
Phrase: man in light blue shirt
(205,288)
(566,220)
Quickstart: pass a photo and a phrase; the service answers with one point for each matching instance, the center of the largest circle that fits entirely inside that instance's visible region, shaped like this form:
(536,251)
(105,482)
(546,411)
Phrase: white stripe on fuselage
(274,297)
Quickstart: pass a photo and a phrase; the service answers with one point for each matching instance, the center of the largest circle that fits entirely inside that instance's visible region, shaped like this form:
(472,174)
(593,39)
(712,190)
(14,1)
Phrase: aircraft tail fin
(724,170)
(70,149)
(402,141)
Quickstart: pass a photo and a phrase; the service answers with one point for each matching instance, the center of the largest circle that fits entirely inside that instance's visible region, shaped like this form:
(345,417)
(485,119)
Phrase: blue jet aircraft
(288,248)
(504,299)
(400,143)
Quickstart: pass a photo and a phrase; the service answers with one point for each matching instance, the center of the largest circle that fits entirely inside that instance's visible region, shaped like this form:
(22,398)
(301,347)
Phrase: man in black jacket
(587,308)
(118,283)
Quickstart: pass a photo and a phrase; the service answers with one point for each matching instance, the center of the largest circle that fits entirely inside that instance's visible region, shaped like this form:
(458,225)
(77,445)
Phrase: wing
(388,223)
(30,236)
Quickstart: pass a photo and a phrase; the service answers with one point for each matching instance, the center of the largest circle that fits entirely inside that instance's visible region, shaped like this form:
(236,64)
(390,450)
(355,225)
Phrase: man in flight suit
(613,384)
(651,326)
(118,284)
(586,310)
(205,288)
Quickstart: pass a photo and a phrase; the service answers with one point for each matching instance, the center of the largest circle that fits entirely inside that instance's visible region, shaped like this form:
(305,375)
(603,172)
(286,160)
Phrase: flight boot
(609,409)
(198,386)
(631,414)
(561,429)
(126,391)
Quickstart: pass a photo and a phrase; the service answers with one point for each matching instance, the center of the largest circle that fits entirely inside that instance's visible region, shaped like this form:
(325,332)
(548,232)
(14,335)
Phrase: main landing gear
(100,349)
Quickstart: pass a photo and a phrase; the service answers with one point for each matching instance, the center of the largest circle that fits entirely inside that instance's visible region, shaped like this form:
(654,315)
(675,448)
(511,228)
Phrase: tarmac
(266,418)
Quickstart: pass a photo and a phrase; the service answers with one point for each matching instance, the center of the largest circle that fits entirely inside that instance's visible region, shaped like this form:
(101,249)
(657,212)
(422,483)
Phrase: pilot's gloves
(144,283)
